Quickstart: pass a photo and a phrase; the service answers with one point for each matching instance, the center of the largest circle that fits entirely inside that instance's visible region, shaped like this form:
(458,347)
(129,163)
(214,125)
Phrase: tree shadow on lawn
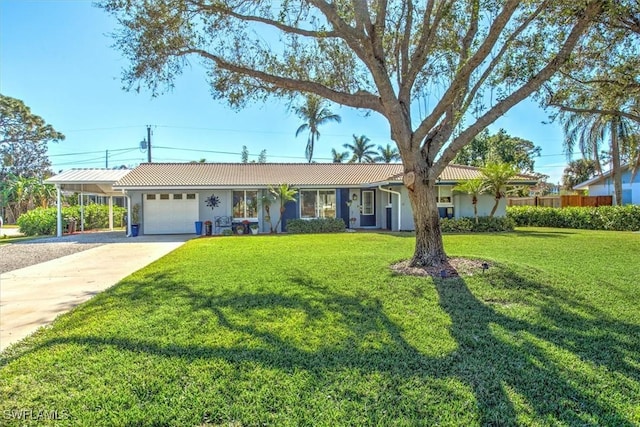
(497,356)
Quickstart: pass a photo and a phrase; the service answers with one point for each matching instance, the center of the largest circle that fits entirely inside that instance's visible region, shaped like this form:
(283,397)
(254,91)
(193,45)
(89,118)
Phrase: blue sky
(56,57)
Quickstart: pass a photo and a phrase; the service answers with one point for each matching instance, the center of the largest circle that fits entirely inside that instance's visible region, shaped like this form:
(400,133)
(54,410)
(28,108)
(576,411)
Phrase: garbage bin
(199,228)
(208,228)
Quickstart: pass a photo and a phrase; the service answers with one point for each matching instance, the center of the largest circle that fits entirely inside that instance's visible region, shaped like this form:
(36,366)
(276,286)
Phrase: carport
(98,182)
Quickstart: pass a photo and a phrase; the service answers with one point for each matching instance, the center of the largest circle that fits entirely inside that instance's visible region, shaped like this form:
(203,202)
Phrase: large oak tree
(473,60)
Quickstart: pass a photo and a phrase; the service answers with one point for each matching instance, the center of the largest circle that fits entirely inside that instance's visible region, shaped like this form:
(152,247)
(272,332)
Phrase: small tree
(474,188)
(285,194)
(496,180)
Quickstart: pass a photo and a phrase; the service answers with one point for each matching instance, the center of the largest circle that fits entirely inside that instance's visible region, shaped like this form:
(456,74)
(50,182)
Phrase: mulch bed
(454,267)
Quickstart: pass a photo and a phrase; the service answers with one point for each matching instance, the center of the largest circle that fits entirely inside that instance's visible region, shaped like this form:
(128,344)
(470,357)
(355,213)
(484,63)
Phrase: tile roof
(198,175)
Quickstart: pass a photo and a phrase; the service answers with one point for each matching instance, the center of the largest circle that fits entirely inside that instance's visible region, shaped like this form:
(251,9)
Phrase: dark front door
(368,212)
(389,226)
(290,212)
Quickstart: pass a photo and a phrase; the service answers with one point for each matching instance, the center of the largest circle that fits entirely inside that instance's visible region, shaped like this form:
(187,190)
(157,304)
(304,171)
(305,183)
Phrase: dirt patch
(454,267)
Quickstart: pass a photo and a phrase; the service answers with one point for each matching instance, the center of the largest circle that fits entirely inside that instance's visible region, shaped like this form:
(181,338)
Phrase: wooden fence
(561,201)
(541,201)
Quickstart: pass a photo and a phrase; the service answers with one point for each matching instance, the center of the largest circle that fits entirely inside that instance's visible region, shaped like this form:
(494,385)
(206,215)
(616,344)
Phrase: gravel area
(24,254)
(30,252)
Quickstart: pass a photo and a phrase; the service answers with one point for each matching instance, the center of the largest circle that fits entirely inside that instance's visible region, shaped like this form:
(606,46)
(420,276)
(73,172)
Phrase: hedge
(485,224)
(320,225)
(618,218)
(41,221)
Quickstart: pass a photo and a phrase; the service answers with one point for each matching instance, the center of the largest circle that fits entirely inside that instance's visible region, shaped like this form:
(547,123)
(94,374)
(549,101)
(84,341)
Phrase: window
(191,196)
(245,204)
(151,196)
(164,197)
(367,203)
(177,197)
(444,195)
(317,204)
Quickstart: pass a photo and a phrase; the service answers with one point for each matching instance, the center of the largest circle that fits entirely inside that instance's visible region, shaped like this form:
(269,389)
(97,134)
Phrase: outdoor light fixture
(349,203)
(354,197)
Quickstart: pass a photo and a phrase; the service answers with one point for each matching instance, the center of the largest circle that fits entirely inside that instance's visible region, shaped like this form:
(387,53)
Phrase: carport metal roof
(89,181)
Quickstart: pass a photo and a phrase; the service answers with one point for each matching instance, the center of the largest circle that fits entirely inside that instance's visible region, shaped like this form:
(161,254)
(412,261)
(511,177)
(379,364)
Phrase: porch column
(110,213)
(59,211)
(81,208)
(128,216)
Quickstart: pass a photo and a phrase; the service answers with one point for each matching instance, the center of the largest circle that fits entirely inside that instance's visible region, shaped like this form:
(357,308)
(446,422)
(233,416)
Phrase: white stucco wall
(464,207)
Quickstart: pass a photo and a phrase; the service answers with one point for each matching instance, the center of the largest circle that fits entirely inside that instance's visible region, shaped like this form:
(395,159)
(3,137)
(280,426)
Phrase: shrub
(319,225)
(484,225)
(618,218)
(41,221)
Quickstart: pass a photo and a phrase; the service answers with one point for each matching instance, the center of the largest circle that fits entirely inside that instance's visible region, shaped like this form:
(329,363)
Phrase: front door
(368,213)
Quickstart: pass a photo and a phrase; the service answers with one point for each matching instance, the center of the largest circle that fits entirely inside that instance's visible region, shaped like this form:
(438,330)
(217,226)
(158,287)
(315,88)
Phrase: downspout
(399,205)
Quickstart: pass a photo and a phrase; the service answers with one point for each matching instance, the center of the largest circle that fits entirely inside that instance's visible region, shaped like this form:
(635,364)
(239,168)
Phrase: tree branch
(591,11)
(216,8)
(361,99)
(606,112)
(465,71)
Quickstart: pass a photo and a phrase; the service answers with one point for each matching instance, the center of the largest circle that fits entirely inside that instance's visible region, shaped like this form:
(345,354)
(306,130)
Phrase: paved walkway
(34,296)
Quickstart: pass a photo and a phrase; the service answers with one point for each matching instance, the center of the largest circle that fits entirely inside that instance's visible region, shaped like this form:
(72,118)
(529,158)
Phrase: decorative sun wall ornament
(212,201)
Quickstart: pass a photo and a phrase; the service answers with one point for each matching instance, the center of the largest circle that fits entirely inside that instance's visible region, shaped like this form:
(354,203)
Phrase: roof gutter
(399,204)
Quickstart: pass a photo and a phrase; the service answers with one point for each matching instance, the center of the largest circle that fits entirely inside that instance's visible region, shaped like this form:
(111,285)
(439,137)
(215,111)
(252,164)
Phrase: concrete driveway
(34,296)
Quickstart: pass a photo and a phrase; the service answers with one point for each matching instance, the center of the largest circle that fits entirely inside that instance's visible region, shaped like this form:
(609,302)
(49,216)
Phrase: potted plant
(208,227)
(135,220)
(254,228)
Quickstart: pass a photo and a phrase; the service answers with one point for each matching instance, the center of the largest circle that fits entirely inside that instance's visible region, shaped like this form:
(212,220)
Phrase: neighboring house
(172,196)
(603,186)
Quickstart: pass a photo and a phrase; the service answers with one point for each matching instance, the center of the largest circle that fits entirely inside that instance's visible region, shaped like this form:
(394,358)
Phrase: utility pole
(106,159)
(149,143)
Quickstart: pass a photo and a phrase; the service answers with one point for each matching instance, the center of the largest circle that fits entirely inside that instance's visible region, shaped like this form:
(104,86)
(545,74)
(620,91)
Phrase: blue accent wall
(342,195)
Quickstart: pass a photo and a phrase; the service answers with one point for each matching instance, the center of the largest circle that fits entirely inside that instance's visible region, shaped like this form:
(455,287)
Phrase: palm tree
(576,172)
(362,150)
(591,131)
(285,194)
(315,114)
(474,188)
(388,154)
(496,177)
(339,157)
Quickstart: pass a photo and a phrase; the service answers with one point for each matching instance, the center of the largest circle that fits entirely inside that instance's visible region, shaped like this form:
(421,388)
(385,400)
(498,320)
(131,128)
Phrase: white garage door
(169,213)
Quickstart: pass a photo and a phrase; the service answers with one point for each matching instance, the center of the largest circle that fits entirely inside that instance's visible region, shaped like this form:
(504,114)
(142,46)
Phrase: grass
(316,330)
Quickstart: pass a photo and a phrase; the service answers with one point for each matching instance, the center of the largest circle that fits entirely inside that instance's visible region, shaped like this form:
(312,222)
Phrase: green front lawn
(316,330)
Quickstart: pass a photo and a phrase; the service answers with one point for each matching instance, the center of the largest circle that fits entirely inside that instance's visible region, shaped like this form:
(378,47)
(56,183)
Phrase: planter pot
(135,229)
(239,230)
(208,228)
(199,228)
(254,231)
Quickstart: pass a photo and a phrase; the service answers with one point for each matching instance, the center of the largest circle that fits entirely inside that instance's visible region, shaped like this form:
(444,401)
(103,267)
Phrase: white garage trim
(169,213)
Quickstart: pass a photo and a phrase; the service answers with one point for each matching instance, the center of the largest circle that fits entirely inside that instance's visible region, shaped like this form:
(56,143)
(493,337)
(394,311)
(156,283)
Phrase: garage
(169,213)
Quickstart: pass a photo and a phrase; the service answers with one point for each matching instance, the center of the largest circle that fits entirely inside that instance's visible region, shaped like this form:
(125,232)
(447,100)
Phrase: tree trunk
(615,160)
(429,250)
(495,206)
(475,209)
